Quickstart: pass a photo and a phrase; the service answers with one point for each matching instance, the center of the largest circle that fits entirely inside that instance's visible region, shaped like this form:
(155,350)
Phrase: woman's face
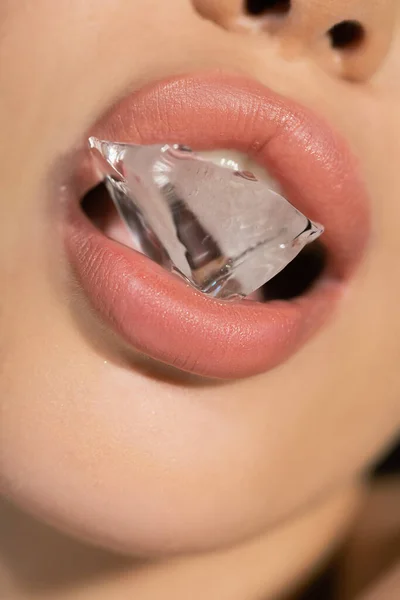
(97,436)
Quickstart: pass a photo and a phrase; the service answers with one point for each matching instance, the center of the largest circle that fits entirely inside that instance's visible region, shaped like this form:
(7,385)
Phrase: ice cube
(223,230)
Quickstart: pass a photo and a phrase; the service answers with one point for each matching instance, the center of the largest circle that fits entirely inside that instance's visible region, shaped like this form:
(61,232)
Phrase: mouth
(160,315)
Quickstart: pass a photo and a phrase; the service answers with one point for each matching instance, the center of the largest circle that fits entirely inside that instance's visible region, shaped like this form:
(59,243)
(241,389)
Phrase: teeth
(114,228)
(233,159)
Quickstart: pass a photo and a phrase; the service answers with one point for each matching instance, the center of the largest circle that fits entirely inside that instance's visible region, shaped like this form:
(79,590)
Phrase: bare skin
(83,428)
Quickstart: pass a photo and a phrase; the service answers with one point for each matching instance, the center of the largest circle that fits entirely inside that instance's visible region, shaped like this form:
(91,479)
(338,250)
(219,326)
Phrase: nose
(348,38)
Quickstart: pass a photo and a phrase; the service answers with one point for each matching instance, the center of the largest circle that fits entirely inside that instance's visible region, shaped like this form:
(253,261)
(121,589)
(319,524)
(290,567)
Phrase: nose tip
(348,38)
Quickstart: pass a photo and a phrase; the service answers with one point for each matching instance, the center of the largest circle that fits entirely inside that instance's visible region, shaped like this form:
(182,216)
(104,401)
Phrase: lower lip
(161,316)
(164,318)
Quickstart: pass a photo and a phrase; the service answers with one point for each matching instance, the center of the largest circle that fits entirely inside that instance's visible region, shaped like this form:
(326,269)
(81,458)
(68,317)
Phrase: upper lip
(316,172)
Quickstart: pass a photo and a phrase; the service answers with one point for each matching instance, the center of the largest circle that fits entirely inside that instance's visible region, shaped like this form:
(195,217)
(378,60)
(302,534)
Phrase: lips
(157,313)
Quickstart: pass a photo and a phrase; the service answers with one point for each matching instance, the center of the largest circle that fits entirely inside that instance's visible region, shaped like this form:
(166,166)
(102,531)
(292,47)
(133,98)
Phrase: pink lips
(160,315)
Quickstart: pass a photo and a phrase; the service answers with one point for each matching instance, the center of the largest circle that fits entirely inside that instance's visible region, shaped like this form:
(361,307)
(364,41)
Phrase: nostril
(347,35)
(262,7)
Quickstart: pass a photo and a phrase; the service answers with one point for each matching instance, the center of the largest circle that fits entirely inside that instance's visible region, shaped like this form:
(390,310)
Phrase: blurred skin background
(235,490)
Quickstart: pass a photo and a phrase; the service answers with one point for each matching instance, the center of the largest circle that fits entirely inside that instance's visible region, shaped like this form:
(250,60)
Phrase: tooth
(226,158)
(238,161)
(226,234)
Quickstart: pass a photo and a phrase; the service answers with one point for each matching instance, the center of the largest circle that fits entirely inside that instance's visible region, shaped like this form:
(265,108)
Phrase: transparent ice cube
(223,230)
